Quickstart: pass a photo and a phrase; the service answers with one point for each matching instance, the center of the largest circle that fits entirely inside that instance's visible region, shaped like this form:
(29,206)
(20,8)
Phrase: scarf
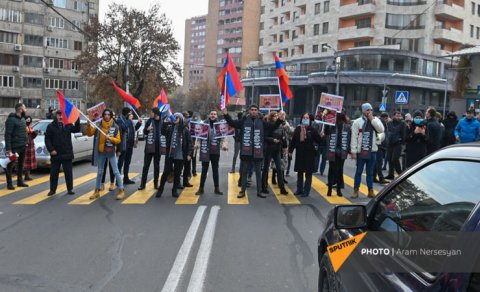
(252,140)
(209,146)
(338,143)
(303,133)
(367,139)
(176,141)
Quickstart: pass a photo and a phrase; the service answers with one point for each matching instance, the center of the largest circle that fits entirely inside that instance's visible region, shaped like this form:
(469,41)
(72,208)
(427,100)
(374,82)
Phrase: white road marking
(178,268)
(199,273)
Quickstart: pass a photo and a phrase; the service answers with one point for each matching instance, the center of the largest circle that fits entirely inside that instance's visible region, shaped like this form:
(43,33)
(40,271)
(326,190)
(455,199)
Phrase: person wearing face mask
(363,147)
(252,132)
(30,158)
(416,140)
(450,123)
(396,138)
(179,148)
(58,140)
(16,141)
(210,154)
(103,149)
(303,141)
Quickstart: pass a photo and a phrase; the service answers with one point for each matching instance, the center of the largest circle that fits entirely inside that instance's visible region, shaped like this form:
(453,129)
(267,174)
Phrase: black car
(441,193)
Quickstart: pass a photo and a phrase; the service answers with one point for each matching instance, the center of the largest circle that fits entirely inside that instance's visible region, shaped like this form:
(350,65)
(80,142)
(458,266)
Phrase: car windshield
(41,127)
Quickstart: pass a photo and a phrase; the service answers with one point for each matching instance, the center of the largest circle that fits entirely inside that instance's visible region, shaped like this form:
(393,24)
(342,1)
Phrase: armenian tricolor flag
(229,80)
(70,113)
(282,80)
(135,103)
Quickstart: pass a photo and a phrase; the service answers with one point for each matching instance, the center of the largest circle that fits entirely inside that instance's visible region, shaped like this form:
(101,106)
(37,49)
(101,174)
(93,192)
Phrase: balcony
(352,33)
(449,11)
(355,9)
(447,35)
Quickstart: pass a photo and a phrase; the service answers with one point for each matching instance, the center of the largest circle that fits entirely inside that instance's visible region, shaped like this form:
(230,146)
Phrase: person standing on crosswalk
(252,135)
(210,154)
(103,149)
(127,129)
(152,132)
(363,147)
(303,143)
(58,140)
(179,147)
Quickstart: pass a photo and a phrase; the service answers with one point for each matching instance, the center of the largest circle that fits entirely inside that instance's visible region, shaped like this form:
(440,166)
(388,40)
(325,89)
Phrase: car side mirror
(77,135)
(350,216)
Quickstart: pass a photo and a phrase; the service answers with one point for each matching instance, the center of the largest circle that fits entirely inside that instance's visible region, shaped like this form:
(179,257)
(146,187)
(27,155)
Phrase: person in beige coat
(364,148)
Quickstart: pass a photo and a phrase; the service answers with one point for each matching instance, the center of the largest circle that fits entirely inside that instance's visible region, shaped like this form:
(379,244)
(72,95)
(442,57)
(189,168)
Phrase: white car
(82,144)
(139,132)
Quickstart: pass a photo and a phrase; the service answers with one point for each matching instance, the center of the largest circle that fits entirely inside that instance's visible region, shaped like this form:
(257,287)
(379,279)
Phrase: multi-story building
(391,44)
(232,25)
(194,51)
(38,47)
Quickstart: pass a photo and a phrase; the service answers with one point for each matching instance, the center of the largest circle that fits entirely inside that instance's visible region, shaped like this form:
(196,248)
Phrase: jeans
(304,188)
(54,171)
(236,151)
(146,166)
(214,161)
(275,155)
(251,163)
(124,161)
(370,164)
(112,175)
(20,160)
(102,157)
(321,158)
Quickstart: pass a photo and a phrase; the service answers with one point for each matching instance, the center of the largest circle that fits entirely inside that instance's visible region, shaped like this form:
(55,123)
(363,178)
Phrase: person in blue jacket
(468,128)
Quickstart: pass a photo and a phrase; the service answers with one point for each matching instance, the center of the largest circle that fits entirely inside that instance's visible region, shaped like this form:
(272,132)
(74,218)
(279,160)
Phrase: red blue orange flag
(161,99)
(70,113)
(229,80)
(135,103)
(282,80)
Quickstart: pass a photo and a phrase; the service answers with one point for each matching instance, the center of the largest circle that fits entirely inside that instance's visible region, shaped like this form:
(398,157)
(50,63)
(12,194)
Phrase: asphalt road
(214,243)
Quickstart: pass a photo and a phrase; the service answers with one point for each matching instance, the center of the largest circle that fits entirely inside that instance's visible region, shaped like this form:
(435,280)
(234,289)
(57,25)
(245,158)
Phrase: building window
(325,28)
(315,49)
(9,60)
(8,101)
(8,37)
(56,63)
(34,18)
(31,82)
(316,29)
(77,46)
(57,43)
(473,8)
(7,81)
(57,22)
(10,15)
(324,48)
(478,32)
(60,3)
(33,61)
(262,10)
(405,21)
(471,30)
(361,44)
(317,8)
(33,40)
(292,52)
(260,42)
(326,6)
(363,23)
(32,102)
(262,25)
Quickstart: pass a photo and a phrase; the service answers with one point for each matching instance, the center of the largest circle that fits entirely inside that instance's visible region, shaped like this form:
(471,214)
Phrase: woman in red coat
(30,159)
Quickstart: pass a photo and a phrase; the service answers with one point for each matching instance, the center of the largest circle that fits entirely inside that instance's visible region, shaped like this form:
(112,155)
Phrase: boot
(329,192)
(155,185)
(371,194)
(199,192)
(102,187)
(112,187)
(20,182)
(174,193)
(95,195)
(283,191)
(27,175)
(141,187)
(339,192)
(218,192)
(159,192)
(355,194)
(241,194)
(10,187)
(121,194)
(274,177)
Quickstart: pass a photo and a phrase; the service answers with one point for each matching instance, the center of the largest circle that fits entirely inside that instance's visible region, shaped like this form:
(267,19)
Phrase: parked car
(440,193)
(82,144)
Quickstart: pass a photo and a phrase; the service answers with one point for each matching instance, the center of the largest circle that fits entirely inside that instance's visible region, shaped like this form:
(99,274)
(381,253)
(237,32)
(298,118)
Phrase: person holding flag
(58,140)
(229,81)
(282,78)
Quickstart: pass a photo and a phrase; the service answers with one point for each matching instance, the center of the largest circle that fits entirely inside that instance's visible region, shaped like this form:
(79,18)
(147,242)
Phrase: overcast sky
(175,10)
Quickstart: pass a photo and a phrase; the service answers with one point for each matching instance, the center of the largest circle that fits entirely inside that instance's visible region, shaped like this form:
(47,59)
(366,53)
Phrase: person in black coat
(58,140)
(303,141)
(450,123)
(396,138)
(434,131)
(416,140)
(152,132)
(179,147)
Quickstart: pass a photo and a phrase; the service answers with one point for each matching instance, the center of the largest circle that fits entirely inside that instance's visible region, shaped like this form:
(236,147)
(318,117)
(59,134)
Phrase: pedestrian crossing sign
(382,108)
(401,97)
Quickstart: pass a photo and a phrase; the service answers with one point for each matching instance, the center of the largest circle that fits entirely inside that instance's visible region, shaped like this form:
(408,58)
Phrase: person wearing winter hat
(416,140)
(450,122)
(468,128)
(153,146)
(179,147)
(363,147)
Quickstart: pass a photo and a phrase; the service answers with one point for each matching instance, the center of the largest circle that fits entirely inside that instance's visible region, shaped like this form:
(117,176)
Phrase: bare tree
(203,98)
(145,39)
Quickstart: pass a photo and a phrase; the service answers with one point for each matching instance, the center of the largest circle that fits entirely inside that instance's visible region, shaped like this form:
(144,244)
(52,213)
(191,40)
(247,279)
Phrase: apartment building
(194,51)
(38,48)
(392,44)
(230,24)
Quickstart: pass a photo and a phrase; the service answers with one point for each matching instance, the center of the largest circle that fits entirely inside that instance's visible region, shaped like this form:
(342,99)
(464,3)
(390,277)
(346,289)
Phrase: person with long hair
(303,141)
(30,158)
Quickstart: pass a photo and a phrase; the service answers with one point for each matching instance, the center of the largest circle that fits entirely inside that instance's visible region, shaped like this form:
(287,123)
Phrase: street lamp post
(337,66)
(445,93)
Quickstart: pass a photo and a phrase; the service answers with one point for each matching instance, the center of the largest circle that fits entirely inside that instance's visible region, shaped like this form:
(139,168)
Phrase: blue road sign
(401,97)
(383,107)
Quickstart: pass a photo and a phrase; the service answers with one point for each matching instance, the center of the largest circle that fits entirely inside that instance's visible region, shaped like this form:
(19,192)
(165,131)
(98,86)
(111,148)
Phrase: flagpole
(225,90)
(280,92)
(92,123)
(133,109)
